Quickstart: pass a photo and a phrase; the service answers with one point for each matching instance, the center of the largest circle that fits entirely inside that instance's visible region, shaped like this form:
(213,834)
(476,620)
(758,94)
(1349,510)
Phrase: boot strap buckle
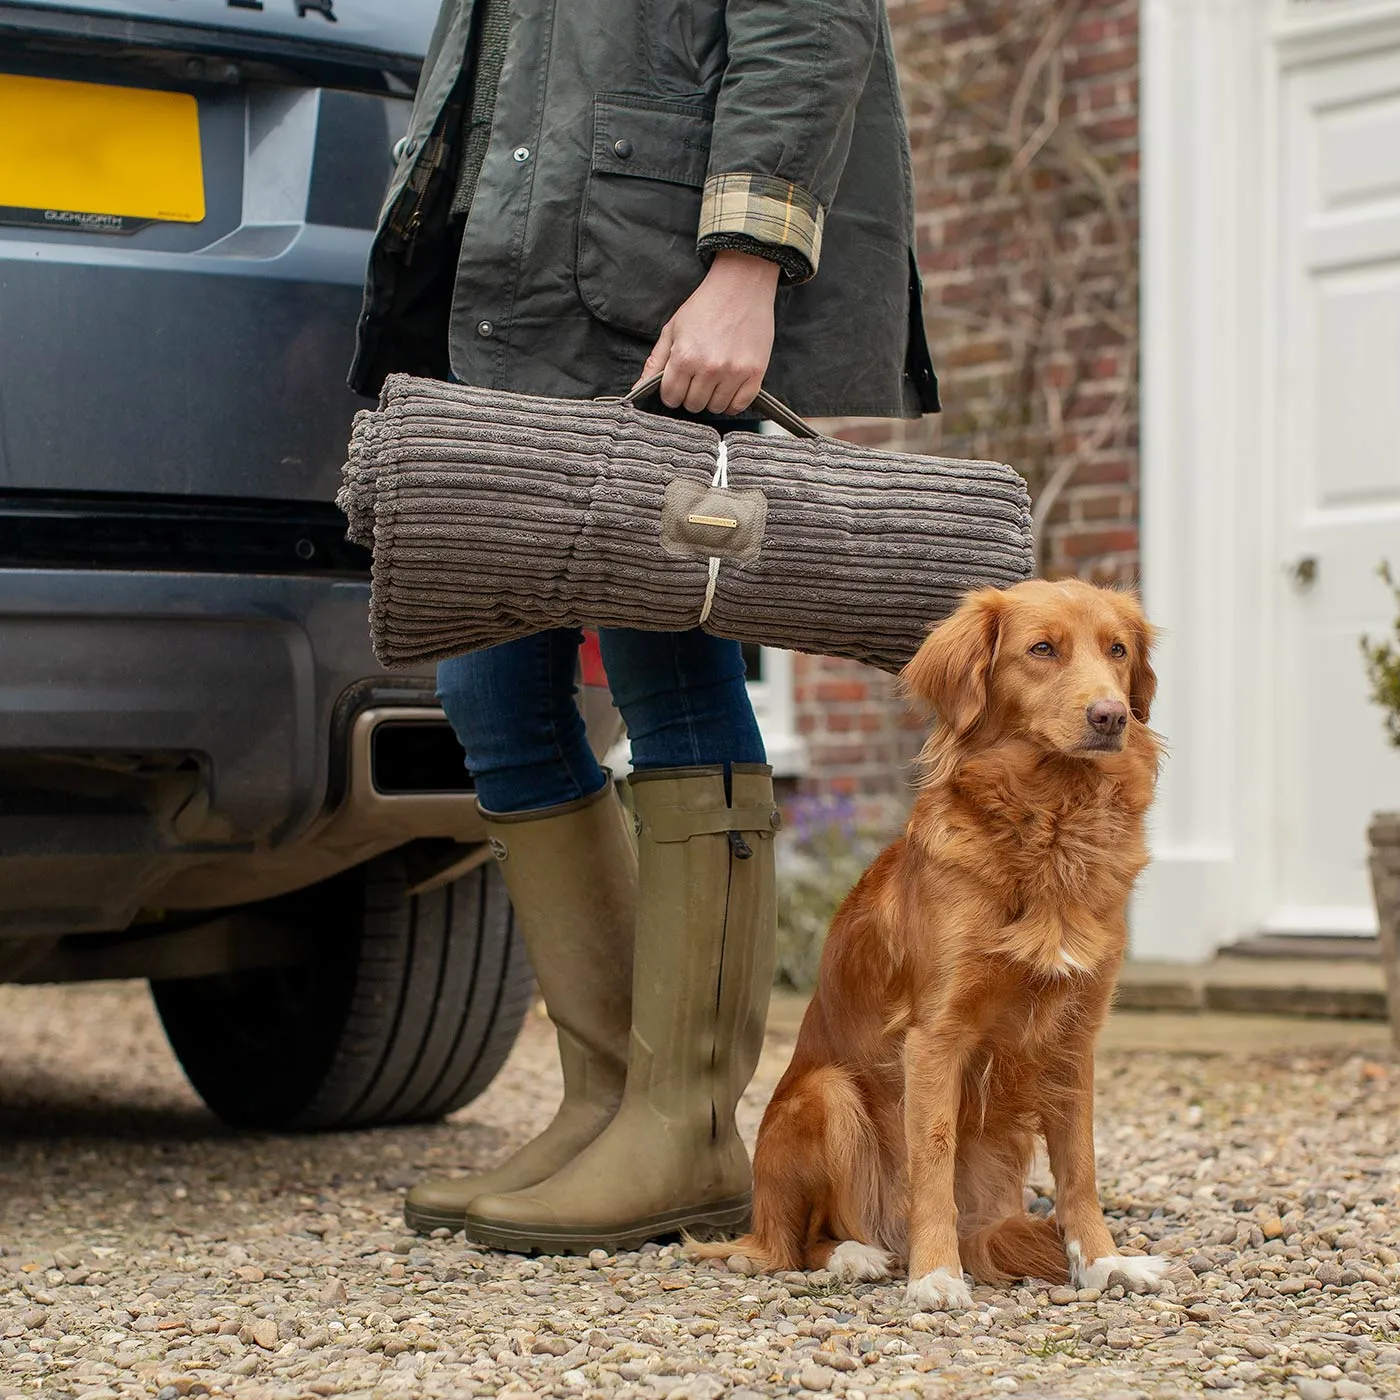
(676,824)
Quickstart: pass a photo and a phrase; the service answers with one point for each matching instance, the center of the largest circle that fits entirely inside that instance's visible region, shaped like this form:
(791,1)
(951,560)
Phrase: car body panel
(182,624)
(389,26)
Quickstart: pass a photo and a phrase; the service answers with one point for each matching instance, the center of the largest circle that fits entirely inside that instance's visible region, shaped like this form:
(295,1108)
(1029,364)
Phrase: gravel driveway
(145,1251)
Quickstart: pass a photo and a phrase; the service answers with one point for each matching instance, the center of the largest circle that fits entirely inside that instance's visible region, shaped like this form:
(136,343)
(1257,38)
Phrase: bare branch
(1067,296)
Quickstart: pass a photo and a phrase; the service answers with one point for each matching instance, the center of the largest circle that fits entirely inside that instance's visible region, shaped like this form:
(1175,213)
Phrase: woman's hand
(713,353)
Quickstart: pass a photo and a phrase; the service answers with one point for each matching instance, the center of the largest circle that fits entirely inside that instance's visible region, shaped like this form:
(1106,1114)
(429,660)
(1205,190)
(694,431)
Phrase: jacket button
(485,329)
(622,149)
(404,146)
(520,154)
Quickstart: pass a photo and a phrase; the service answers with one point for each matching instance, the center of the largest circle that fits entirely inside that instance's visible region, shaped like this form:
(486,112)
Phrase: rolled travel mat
(495,515)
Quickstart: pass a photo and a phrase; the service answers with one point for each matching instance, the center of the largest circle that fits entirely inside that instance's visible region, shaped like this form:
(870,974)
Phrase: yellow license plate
(99,158)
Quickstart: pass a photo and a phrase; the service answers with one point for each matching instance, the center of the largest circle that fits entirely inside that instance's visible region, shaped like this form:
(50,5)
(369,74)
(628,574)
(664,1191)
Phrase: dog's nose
(1108,716)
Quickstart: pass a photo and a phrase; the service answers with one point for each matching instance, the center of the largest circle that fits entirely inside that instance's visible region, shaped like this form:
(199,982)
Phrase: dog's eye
(1118,651)
(1042,649)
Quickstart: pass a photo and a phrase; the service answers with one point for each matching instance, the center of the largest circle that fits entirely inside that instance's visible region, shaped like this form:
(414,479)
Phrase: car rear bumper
(157,725)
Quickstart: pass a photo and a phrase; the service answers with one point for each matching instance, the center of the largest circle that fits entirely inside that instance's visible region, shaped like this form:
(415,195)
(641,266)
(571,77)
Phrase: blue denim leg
(683,696)
(514,711)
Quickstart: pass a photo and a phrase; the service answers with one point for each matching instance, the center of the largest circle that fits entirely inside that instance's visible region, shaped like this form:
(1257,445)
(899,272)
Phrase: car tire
(406,1012)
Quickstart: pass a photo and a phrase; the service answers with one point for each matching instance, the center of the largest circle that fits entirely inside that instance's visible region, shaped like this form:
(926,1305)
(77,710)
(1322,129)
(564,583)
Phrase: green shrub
(1383,666)
(822,852)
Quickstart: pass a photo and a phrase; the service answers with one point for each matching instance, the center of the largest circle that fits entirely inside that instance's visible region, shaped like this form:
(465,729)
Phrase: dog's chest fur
(1055,855)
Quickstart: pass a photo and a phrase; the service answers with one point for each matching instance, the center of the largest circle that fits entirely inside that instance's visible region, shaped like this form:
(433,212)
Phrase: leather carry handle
(772,408)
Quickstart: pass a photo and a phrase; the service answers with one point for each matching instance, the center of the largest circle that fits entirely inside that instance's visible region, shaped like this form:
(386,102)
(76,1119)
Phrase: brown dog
(967,975)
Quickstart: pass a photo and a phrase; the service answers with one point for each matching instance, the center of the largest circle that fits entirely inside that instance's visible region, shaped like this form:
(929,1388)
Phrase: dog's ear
(1142,680)
(949,673)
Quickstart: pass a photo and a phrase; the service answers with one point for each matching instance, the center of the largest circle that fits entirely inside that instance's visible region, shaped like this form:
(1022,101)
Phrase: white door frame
(1209,134)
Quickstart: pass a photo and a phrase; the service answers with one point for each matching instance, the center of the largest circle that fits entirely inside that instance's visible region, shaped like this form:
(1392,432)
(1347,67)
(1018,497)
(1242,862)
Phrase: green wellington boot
(672,1158)
(572,875)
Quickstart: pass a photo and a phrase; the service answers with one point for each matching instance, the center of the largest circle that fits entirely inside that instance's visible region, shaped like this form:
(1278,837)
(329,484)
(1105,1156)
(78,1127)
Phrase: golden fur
(967,975)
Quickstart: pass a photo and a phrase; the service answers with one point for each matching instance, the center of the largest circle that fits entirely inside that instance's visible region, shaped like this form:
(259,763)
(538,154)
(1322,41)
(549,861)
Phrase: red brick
(977,352)
(1108,505)
(1110,129)
(1091,542)
(1103,472)
(1120,58)
(828,691)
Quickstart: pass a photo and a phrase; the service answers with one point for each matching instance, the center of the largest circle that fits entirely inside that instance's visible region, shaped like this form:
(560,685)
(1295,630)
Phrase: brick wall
(860,738)
(1026,169)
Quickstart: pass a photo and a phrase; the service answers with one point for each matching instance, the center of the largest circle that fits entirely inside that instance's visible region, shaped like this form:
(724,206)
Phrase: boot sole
(425,1221)
(721,1220)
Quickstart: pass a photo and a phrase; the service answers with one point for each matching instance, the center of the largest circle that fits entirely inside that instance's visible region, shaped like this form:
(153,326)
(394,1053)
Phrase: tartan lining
(765,208)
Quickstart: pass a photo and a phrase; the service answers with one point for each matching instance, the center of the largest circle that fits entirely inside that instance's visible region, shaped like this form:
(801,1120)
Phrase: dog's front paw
(853,1262)
(939,1291)
(1141,1273)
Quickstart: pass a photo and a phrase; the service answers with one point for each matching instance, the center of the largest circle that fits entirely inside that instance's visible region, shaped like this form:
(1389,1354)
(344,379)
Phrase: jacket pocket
(636,258)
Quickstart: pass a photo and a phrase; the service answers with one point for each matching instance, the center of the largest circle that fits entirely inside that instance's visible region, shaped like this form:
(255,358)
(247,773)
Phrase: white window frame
(774,700)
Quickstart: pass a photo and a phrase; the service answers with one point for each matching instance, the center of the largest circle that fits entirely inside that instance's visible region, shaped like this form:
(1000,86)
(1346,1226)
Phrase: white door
(1337,488)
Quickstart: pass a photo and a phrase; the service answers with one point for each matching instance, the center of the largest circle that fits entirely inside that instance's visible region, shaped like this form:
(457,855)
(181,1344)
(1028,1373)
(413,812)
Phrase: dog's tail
(748,1247)
(1021,1246)
(817,1160)
(775,1239)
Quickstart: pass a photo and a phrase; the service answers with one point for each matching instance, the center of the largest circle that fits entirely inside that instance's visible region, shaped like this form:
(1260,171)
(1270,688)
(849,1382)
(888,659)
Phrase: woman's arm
(783,123)
(713,353)
(782,130)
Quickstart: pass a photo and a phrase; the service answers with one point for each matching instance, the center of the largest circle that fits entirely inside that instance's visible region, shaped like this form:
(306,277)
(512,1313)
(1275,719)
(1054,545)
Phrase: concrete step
(1197,1031)
(1338,987)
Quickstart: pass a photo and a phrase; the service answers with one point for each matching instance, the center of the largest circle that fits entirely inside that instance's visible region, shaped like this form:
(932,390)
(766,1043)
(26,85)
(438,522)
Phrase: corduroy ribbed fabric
(495,515)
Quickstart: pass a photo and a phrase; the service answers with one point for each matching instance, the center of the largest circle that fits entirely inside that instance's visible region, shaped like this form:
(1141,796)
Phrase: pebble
(701,1387)
(1310,1388)
(262,1333)
(227,1289)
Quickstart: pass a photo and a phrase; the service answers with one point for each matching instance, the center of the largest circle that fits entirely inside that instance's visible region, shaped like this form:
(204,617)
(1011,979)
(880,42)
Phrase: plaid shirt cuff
(768,210)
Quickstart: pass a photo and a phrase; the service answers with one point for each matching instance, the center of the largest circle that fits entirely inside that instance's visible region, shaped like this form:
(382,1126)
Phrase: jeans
(682,694)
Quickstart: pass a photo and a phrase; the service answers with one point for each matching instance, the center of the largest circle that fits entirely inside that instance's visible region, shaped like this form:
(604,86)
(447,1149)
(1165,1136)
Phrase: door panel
(1338,483)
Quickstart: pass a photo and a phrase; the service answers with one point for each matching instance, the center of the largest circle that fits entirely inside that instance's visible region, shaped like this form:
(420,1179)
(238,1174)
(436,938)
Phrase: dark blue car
(205,780)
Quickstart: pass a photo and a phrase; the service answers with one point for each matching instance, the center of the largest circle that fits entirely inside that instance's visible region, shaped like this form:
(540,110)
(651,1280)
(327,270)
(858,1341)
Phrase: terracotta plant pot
(1385,880)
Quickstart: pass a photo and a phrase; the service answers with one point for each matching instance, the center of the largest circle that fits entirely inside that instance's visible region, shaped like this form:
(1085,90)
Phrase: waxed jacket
(629,140)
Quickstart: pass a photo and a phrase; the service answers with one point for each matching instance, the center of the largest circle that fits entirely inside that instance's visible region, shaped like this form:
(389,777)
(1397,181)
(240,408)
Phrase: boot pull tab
(738,847)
